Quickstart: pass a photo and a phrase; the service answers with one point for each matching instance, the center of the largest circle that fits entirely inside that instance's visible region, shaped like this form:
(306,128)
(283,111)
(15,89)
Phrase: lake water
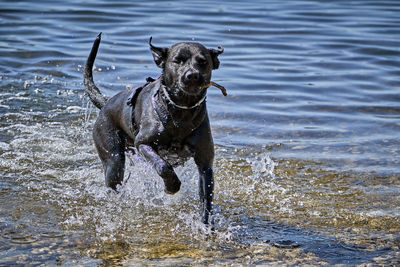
(307,141)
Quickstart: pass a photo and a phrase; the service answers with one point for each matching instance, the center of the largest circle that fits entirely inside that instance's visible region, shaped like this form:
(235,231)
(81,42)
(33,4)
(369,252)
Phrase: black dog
(165,121)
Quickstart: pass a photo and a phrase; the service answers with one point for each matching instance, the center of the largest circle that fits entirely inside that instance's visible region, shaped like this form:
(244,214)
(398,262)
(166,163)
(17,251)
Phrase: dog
(165,121)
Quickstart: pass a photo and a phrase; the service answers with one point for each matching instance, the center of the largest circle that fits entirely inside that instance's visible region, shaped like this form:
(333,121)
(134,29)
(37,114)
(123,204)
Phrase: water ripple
(307,160)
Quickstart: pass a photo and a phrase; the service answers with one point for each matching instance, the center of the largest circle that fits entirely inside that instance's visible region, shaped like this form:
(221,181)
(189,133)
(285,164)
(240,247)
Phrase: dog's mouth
(195,84)
(192,86)
(199,89)
(192,90)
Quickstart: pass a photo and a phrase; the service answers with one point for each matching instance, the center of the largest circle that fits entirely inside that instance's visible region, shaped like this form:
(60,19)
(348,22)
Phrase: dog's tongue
(223,90)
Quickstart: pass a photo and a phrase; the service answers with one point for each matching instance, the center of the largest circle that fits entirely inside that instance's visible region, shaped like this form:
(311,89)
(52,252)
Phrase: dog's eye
(179,60)
(202,61)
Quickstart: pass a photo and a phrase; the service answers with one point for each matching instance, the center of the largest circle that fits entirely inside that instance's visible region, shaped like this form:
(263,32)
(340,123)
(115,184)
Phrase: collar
(168,98)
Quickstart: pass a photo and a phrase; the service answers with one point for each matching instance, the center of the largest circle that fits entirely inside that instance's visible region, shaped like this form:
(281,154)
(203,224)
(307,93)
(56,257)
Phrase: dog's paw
(172,187)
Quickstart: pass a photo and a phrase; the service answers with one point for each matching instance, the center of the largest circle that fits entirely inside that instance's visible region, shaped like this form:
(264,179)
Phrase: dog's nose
(193,76)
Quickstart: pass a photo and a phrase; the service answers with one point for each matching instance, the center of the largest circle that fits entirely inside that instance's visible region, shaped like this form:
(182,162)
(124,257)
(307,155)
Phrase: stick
(220,87)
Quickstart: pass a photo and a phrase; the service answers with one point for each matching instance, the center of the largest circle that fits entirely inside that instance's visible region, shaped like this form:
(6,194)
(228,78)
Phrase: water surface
(307,141)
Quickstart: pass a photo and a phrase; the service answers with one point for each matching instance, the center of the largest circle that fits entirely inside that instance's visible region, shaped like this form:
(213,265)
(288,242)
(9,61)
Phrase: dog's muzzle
(193,82)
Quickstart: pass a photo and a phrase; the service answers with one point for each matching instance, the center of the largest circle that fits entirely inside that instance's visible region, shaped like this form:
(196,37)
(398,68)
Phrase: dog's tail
(92,91)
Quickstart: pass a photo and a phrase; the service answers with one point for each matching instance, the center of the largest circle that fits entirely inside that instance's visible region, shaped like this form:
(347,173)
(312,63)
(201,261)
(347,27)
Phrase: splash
(51,169)
(262,165)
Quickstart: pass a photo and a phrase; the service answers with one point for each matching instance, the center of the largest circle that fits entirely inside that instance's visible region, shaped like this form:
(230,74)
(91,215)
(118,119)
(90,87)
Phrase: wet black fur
(165,126)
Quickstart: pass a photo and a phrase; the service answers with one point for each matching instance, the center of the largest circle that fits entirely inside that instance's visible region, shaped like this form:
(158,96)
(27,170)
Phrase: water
(307,142)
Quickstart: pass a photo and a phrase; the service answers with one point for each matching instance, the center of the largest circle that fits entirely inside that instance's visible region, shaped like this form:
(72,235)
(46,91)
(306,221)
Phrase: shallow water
(307,141)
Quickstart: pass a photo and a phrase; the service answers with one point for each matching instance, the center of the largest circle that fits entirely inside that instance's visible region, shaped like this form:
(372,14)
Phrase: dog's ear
(214,56)
(159,54)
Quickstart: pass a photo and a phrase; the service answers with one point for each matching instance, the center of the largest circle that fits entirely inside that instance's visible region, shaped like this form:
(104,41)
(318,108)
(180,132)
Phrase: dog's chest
(176,153)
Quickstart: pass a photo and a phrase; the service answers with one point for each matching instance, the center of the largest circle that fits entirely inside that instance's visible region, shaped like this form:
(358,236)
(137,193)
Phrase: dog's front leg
(203,146)
(206,192)
(163,168)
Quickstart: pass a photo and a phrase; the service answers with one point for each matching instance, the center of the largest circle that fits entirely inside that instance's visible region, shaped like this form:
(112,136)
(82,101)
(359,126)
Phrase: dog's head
(186,67)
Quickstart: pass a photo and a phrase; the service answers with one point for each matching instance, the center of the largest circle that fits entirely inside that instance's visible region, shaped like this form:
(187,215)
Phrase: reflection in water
(307,158)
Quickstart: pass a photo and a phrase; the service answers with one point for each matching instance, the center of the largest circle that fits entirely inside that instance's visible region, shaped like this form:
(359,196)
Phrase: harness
(132,102)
